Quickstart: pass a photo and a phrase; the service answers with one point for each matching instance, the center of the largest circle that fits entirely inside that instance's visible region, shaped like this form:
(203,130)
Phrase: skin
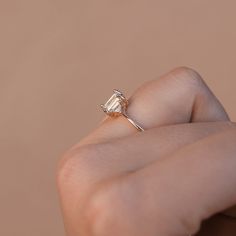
(173,179)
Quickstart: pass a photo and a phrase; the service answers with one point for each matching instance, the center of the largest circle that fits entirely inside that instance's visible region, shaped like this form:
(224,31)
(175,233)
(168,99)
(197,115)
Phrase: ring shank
(138,127)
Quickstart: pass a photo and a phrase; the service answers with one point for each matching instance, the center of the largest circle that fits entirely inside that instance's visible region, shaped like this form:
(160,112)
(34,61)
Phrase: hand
(165,181)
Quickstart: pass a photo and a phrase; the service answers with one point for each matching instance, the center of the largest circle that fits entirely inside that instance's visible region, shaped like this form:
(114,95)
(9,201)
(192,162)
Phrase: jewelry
(117,105)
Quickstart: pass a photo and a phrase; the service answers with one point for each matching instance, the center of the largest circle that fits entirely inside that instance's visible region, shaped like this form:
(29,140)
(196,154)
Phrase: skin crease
(169,180)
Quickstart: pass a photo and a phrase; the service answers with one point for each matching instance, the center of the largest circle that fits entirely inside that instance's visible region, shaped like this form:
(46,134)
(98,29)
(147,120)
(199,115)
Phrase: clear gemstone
(115,105)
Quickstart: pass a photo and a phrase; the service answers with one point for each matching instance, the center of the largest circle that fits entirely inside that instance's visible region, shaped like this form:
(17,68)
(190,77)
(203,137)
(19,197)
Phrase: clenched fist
(164,181)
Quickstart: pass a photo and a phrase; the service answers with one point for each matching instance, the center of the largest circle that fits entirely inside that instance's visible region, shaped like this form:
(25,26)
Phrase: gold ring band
(117,105)
(138,127)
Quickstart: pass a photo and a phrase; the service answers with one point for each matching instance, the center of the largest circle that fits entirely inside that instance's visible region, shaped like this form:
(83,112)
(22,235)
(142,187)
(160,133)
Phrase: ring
(117,105)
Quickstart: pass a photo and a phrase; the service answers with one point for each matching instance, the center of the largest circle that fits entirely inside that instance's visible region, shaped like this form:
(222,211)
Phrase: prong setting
(116,105)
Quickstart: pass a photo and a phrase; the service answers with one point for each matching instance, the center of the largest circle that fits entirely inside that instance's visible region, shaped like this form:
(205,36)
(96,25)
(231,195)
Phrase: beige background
(60,59)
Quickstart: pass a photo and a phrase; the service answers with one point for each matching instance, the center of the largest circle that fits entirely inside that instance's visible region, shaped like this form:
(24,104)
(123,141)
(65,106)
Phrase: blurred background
(60,59)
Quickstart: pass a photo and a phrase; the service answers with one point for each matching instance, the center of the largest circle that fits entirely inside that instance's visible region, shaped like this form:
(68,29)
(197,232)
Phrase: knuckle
(189,76)
(73,166)
(183,78)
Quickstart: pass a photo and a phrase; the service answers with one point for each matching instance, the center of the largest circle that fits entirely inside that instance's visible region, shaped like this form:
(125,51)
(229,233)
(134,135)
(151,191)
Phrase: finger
(134,152)
(190,186)
(85,168)
(180,96)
